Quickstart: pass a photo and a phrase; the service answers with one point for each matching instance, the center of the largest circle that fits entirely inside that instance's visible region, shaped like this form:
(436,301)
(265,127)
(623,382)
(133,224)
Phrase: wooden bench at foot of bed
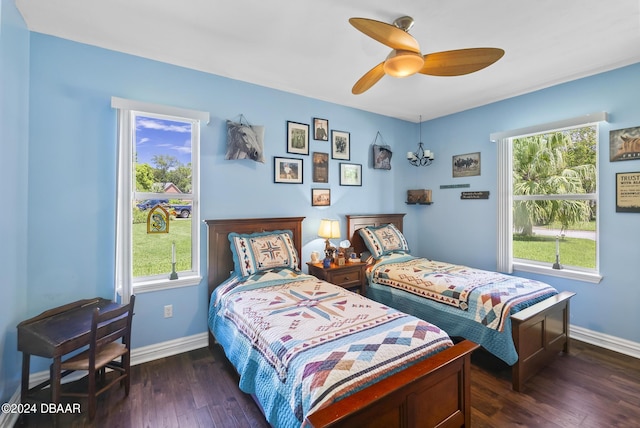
(540,332)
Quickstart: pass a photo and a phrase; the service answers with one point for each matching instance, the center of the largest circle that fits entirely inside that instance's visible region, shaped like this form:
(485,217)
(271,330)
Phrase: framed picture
(340,145)
(381,157)
(320,167)
(320,197)
(624,144)
(466,165)
(297,138)
(244,141)
(628,192)
(320,129)
(287,170)
(350,174)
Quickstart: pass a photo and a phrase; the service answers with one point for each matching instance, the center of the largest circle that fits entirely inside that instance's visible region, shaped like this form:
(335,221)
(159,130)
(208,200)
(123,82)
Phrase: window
(157,236)
(548,199)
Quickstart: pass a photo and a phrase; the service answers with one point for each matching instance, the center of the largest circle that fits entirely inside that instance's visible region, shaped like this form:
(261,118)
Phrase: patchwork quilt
(300,343)
(489,296)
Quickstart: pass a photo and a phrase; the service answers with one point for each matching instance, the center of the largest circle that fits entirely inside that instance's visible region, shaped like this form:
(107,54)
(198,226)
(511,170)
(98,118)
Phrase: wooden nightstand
(350,275)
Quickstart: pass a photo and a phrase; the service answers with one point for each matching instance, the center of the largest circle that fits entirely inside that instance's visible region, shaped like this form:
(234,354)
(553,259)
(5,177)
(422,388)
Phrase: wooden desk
(54,333)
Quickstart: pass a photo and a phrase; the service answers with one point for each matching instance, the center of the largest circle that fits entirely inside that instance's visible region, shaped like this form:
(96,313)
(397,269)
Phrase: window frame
(505,260)
(126,193)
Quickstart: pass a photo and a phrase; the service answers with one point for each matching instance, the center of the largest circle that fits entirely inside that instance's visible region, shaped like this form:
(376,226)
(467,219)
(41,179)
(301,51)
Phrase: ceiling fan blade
(369,79)
(386,34)
(459,62)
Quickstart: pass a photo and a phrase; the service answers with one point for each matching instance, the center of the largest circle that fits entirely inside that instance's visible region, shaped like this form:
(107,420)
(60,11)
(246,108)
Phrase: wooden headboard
(355,222)
(220,259)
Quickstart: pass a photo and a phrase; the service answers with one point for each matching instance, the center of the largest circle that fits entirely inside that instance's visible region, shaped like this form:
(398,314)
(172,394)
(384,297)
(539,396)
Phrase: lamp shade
(329,229)
(402,63)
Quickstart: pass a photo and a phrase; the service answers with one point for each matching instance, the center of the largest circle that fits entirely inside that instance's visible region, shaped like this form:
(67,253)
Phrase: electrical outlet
(168,311)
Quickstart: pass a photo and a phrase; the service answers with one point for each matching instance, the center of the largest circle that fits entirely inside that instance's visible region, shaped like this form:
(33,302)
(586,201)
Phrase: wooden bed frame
(539,332)
(432,393)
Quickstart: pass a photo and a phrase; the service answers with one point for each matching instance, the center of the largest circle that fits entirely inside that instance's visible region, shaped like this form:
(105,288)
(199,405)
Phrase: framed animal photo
(466,165)
(287,170)
(624,144)
(320,197)
(320,129)
(244,141)
(340,145)
(381,157)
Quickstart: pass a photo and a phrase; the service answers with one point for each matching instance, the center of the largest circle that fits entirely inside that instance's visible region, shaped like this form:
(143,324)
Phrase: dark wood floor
(590,387)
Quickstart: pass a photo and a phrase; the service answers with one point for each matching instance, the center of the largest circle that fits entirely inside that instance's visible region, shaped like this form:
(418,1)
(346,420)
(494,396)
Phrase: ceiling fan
(406,59)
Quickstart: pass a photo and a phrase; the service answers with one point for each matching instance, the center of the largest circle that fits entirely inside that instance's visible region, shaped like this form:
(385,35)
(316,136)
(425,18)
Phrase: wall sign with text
(475,195)
(628,192)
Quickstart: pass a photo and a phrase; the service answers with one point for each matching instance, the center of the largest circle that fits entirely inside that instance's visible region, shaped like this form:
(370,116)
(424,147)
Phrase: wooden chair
(105,349)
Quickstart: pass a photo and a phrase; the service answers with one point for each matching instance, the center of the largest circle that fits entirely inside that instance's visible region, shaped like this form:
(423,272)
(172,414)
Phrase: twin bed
(522,322)
(314,354)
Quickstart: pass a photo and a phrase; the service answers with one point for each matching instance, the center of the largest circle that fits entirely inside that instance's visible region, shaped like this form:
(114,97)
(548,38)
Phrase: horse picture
(381,157)
(245,142)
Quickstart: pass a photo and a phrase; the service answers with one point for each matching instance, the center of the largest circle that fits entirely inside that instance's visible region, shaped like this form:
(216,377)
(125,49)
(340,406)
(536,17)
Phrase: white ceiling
(309,48)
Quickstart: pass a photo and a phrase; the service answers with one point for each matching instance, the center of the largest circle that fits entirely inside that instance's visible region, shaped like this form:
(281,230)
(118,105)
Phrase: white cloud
(162,125)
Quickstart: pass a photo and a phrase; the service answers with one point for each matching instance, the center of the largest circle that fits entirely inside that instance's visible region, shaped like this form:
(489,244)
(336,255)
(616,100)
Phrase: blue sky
(162,137)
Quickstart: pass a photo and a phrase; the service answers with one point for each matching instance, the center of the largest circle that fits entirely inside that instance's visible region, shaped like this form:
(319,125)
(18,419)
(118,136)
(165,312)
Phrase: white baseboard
(169,348)
(606,341)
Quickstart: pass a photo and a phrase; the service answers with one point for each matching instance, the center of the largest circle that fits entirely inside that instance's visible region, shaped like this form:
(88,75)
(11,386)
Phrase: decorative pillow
(383,240)
(256,252)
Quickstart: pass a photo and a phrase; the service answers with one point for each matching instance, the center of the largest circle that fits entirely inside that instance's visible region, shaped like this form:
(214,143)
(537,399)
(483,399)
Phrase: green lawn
(152,252)
(573,251)
(581,225)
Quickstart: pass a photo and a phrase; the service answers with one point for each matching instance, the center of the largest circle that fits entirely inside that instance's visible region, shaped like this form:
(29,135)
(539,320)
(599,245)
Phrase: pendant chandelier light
(420,157)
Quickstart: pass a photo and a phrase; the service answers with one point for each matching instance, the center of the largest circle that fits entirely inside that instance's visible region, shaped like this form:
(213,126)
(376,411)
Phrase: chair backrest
(109,326)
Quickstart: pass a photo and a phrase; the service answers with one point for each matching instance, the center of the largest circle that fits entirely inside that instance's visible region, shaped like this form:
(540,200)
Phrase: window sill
(166,284)
(578,275)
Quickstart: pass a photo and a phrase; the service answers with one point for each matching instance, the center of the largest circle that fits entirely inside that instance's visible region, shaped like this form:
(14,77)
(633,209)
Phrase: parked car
(181,211)
(150,203)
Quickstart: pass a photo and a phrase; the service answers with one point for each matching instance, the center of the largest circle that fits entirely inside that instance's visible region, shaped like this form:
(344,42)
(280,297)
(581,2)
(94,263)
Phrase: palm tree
(540,167)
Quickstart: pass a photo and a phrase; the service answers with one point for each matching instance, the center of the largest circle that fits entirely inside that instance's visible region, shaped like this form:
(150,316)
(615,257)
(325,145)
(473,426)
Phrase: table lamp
(329,229)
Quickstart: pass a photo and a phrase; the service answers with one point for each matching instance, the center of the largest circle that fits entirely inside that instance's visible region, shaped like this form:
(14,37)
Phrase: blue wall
(65,241)
(14,65)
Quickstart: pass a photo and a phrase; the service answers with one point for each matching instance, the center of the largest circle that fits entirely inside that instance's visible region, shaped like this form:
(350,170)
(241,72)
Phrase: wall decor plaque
(475,195)
(628,192)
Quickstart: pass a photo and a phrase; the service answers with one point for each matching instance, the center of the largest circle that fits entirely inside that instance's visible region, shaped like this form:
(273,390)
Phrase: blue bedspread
(476,310)
(299,343)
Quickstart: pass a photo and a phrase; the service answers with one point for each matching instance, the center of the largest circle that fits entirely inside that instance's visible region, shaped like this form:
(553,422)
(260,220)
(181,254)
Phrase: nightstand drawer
(345,276)
(349,275)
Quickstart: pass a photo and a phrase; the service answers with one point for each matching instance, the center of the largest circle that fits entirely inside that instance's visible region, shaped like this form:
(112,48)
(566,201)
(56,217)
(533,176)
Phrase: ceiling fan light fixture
(406,58)
(401,63)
